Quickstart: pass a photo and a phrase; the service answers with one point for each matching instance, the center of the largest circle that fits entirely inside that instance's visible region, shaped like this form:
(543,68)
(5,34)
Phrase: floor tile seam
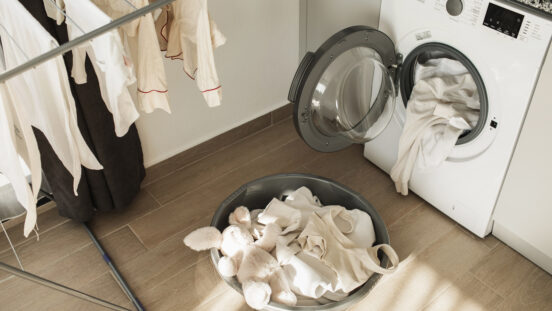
(138,238)
(486,285)
(57,261)
(441,293)
(30,238)
(53,263)
(455,282)
(407,213)
(211,181)
(160,244)
(419,206)
(419,252)
(208,154)
(122,292)
(475,238)
(7,278)
(159,206)
(496,245)
(73,251)
(185,229)
(203,303)
(177,274)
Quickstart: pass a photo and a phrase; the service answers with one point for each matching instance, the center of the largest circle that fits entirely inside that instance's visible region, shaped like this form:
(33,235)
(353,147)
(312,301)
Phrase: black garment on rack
(112,188)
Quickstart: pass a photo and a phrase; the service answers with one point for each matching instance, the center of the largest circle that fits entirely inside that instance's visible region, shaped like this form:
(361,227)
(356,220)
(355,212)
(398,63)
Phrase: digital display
(503,20)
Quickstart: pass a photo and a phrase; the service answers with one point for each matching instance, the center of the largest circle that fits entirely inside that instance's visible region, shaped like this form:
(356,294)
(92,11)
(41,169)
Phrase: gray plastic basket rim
(379,225)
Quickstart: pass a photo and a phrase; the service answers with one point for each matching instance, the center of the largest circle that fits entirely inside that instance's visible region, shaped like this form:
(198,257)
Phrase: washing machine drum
(344,93)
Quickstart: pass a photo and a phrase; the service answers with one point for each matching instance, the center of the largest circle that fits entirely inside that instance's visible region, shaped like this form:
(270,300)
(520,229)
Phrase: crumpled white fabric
(308,276)
(353,265)
(444,103)
(281,214)
(311,258)
(325,253)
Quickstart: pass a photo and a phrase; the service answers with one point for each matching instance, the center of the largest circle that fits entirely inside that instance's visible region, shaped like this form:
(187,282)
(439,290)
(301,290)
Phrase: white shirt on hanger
(42,95)
(113,68)
(140,38)
(17,140)
(192,36)
(19,151)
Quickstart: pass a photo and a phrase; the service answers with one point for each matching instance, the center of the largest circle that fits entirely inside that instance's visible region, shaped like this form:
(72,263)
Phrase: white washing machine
(353,89)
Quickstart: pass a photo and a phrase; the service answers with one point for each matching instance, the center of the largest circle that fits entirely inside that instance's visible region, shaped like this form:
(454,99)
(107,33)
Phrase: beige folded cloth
(278,212)
(353,266)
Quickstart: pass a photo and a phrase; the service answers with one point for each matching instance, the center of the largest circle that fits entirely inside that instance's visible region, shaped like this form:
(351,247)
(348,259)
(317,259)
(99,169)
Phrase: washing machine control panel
(503,20)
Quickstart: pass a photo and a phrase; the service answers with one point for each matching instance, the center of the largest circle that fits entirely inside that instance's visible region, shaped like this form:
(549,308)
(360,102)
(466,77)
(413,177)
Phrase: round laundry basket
(258,193)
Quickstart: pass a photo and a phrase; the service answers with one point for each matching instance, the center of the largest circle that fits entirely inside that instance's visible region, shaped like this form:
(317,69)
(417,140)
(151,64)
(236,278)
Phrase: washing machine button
(455,7)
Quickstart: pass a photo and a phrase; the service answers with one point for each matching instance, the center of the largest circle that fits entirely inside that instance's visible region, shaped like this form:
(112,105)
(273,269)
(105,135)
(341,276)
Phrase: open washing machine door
(344,93)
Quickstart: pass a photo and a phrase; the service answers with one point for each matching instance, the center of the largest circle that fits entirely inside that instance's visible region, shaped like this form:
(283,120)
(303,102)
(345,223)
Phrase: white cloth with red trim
(142,45)
(108,57)
(40,97)
(187,32)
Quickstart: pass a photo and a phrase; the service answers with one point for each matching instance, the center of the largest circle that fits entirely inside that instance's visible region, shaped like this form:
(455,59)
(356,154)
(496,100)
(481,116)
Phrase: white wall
(326,17)
(255,66)
(524,208)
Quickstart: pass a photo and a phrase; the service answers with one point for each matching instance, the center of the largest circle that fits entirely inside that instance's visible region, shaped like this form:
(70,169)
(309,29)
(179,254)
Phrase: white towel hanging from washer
(444,103)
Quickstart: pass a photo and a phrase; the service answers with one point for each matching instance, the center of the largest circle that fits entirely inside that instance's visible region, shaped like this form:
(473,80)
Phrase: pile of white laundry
(296,252)
(444,104)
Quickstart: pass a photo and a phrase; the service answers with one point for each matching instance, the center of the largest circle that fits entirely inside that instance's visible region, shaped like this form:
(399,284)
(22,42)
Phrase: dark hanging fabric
(112,188)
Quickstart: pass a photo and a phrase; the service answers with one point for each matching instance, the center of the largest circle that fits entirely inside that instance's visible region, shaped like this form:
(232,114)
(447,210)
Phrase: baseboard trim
(187,157)
(523,247)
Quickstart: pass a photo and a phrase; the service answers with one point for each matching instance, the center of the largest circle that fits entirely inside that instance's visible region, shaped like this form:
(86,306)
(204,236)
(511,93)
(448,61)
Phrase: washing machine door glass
(344,92)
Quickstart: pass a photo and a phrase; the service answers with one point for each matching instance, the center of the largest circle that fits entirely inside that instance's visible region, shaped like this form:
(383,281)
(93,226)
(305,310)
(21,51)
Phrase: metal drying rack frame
(60,50)
(68,46)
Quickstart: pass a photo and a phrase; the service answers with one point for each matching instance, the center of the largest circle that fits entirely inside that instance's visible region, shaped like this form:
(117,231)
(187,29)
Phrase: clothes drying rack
(31,63)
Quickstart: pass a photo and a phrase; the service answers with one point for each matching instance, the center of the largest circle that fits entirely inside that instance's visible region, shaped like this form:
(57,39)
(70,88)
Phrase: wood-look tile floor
(443,266)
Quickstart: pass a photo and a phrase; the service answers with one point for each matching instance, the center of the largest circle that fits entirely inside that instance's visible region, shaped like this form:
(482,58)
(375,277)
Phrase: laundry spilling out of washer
(330,87)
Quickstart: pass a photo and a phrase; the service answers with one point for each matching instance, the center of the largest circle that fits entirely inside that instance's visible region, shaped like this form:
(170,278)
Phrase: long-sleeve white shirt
(43,97)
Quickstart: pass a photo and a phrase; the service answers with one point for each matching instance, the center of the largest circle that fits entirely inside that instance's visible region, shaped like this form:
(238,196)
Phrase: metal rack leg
(120,279)
(64,289)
